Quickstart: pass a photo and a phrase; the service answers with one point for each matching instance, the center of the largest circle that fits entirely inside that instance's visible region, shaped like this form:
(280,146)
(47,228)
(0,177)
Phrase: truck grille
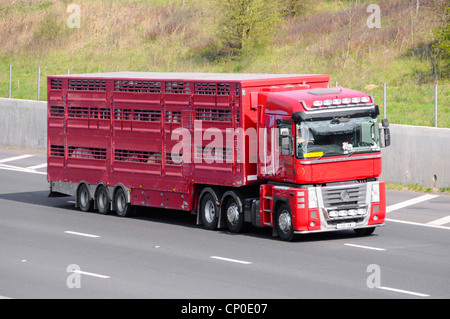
(343,196)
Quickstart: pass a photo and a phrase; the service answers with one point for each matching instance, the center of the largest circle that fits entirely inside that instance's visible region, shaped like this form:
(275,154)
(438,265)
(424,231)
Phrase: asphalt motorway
(49,249)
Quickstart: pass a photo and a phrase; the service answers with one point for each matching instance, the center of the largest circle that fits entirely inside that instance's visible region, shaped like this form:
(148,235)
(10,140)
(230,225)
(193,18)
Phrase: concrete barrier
(417,154)
(23,123)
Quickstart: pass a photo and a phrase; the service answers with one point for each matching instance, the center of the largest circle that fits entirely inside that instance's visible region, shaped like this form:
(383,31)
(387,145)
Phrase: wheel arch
(125,189)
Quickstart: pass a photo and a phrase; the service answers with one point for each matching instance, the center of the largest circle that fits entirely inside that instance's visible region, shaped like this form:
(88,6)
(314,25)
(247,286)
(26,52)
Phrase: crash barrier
(417,155)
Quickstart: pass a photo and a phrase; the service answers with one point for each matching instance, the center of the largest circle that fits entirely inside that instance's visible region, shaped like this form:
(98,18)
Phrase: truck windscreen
(339,136)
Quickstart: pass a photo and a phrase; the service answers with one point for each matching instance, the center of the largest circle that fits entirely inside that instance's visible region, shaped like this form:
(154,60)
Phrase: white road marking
(410,202)
(232,260)
(37,166)
(81,234)
(416,224)
(404,291)
(440,221)
(15,158)
(365,247)
(20,169)
(90,274)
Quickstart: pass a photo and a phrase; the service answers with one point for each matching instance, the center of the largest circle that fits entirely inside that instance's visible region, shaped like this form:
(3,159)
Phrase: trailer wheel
(84,200)
(102,200)
(283,222)
(123,209)
(234,216)
(209,211)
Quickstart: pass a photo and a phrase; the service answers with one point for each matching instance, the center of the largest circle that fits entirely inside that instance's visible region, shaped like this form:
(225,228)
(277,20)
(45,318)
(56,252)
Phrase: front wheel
(283,223)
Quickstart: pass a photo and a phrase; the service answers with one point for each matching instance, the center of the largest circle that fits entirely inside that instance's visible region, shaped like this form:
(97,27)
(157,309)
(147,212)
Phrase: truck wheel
(123,209)
(209,211)
(234,215)
(283,222)
(84,200)
(102,200)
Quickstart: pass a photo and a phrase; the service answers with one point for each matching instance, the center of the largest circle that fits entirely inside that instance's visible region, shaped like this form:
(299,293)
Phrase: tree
(441,45)
(247,23)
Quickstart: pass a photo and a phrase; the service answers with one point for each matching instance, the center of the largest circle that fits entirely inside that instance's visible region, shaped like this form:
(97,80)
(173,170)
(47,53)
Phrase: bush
(246,24)
(49,28)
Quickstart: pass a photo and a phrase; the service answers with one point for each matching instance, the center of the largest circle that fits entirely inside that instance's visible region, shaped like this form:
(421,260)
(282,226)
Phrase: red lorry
(280,151)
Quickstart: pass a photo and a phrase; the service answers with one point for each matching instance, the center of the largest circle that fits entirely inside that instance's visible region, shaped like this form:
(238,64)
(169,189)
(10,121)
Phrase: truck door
(285,150)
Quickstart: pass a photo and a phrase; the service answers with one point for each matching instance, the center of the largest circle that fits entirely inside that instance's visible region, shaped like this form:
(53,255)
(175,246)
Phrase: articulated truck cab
(329,160)
(279,151)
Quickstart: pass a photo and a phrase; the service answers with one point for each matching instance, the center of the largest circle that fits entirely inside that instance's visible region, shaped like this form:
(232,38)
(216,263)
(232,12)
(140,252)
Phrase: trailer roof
(195,76)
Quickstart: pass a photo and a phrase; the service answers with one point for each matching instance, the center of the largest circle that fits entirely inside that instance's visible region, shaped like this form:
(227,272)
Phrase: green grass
(414,187)
(162,36)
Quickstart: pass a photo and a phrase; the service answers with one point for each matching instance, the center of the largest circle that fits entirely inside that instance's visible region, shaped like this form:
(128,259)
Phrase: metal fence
(38,93)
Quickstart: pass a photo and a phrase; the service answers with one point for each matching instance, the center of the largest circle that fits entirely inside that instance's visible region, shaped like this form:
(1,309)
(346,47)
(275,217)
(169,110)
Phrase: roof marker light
(346,100)
(356,100)
(365,99)
(327,102)
(337,101)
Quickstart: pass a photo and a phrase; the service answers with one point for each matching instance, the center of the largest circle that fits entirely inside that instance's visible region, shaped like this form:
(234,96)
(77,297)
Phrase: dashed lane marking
(232,260)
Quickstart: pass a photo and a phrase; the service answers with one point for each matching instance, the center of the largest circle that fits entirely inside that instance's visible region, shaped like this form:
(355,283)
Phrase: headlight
(312,198)
(342,213)
(333,214)
(375,192)
(362,211)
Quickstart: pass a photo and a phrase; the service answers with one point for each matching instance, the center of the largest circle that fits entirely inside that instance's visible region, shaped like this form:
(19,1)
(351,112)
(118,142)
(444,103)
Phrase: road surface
(49,249)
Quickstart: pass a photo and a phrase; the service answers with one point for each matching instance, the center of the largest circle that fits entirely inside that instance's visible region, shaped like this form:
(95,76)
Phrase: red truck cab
(329,160)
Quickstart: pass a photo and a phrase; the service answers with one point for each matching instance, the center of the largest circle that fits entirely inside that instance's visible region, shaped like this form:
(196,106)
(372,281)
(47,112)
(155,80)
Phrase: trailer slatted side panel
(129,132)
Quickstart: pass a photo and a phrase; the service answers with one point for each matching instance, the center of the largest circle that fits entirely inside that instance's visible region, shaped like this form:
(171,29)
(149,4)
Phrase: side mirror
(285,139)
(284,131)
(287,143)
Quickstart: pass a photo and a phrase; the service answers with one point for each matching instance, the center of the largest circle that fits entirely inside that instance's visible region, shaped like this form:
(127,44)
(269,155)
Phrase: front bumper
(339,207)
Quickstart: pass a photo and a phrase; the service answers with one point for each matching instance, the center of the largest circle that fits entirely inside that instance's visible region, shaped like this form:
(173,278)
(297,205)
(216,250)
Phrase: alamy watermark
(230,145)
(374,279)
(374,19)
(74,279)
(74,18)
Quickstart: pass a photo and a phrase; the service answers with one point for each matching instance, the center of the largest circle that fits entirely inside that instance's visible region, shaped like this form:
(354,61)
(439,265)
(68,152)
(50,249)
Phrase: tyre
(84,200)
(283,222)
(234,216)
(102,200)
(209,212)
(123,209)
(364,231)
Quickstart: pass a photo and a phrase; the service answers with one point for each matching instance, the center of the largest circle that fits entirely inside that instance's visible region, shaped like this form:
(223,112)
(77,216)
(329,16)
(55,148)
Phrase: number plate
(346,226)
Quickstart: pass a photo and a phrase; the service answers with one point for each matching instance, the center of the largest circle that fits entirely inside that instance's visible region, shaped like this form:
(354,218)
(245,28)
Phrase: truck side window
(285,140)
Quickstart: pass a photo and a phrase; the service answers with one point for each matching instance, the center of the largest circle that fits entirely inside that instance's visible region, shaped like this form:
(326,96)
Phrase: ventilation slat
(87,85)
